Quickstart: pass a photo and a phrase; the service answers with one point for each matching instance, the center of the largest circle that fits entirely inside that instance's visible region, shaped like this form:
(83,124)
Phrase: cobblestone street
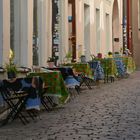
(107,112)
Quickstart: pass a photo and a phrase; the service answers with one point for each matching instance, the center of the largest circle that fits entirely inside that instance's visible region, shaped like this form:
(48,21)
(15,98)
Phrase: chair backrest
(38,82)
(5,93)
(15,85)
(93,64)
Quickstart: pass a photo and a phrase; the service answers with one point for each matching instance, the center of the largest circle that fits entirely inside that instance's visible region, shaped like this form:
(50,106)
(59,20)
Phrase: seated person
(34,90)
(127,52)
(110,55)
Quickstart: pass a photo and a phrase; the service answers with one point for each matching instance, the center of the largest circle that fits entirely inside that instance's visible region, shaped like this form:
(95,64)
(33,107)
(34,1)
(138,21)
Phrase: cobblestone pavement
(107,112)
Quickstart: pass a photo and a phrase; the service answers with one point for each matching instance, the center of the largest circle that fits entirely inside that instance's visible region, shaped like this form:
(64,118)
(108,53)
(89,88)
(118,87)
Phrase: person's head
(109,53)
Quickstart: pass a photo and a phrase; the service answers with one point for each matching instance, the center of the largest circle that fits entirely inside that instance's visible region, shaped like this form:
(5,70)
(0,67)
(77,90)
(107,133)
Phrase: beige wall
(105,7)
(63,30)
(135,33)
(23,32)
(44,30)
(4,31)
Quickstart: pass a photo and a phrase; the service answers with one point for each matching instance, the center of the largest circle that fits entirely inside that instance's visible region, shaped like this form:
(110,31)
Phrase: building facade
(136,31)
(42,28)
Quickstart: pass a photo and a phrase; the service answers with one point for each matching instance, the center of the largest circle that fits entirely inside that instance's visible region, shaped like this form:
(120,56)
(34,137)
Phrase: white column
(4,31)
(44,30)
(63,47)
(79,28)
(17,37)
(26,32)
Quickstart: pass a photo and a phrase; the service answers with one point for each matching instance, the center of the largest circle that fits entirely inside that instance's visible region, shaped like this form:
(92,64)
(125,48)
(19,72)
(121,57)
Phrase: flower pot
(11,75)
(99,55)
(83,59)
(50,64)
(69,60)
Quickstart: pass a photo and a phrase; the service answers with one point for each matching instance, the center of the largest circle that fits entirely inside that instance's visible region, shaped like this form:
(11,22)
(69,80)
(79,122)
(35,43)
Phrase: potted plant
(11,68)
(51,61)
(11,71)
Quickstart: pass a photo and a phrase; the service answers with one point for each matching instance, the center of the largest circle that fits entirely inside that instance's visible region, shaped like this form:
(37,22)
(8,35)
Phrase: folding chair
(16,95)
(72,85)
(69,78)
(46,101)
(109,74)
(16,102)
(84,80)
(121,68)
(97,70)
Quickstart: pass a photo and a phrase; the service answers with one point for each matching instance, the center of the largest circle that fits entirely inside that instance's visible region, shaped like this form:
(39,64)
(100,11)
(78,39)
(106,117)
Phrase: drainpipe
(128,24)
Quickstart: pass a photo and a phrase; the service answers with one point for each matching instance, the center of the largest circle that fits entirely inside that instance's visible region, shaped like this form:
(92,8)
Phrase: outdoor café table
(71,80)
(82,68)
(55,83)
(129,63)
(109,67)
(121,68)
(65,71)
(97,70)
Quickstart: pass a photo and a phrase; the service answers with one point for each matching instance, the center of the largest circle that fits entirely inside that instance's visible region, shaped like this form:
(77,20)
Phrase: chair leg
(15,112)
(50,100)
(45,105)
(18,112)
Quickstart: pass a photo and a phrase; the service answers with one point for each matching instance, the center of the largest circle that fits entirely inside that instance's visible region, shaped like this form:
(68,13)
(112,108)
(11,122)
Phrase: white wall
(24,32)
(104,8)
(4,31)
(63,30)
(24,28)
(120,5)
(44,30)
